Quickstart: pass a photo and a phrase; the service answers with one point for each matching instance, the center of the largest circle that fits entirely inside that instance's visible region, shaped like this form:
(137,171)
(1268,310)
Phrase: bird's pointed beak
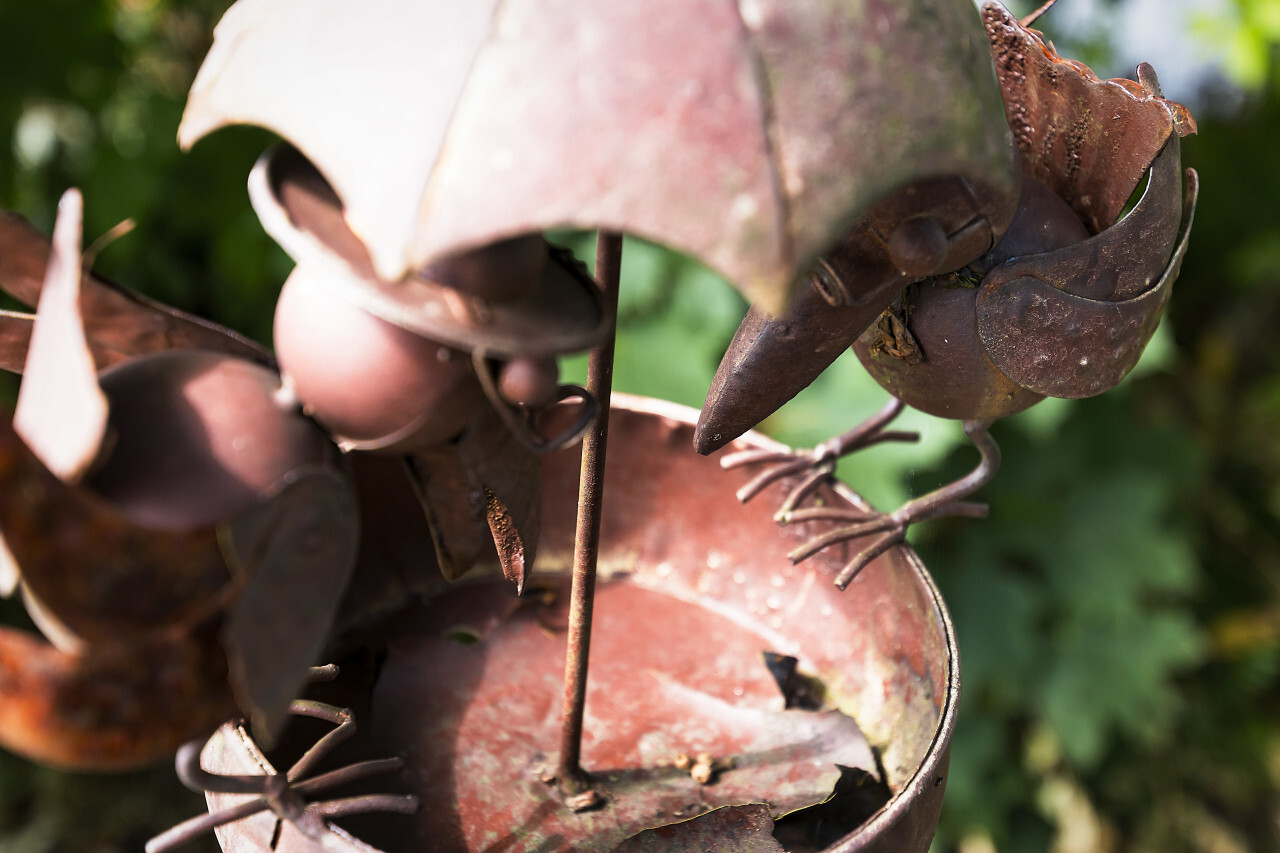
(771,359)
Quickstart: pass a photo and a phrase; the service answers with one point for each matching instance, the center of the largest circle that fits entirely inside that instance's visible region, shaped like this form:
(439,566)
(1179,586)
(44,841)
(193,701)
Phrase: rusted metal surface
(657,529)
(118,706)
(949,374)
(1046,311)
(120,548)
(396,560)
(573,780)
(696,587)
(486,478)
(197,438)
(99,576)
(1090,140)
(483,722)
(902,65)
(106,591)
(923,349)
(1068,318)
(480,485)
(294,557)
(790,351)
(93,577)
(771,359)
(748,139)
(747,828)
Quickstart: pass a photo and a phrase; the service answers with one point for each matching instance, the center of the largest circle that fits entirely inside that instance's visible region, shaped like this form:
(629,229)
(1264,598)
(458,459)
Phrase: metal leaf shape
(748,135)
(484,487)
(1090,140)
(746,828)
(61,412)
(295,555)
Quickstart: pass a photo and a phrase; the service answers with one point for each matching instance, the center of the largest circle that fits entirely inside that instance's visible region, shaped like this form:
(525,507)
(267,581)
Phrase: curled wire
(288,796)
(520,419)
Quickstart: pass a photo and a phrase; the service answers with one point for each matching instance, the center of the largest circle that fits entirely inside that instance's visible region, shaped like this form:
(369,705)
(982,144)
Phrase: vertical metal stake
(572,778)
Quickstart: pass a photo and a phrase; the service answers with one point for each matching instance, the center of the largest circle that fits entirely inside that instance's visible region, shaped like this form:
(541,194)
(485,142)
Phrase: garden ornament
(695,587)
(428,147)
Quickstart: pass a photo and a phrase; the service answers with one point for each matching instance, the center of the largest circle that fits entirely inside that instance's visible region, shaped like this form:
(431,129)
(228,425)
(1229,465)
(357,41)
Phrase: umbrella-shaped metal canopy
(746,134)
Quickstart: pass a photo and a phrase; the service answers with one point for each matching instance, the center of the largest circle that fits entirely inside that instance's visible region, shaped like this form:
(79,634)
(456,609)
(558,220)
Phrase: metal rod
(572,778)
(190,830)
(1028,20)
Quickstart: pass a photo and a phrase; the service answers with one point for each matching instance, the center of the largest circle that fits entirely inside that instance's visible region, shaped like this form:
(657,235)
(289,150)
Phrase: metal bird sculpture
(1061,305)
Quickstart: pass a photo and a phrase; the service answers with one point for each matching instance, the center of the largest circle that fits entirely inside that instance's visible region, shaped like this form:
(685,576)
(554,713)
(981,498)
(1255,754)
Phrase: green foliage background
(1118,613)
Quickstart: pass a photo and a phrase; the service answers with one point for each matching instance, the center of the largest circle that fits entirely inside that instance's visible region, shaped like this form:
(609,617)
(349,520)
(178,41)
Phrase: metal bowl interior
(693,582)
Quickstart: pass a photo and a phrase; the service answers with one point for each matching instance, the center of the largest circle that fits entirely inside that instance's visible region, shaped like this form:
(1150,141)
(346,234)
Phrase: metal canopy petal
(748,135)
(359,65)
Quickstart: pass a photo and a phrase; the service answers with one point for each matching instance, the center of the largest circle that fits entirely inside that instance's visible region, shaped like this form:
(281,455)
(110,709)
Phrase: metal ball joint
(374,385)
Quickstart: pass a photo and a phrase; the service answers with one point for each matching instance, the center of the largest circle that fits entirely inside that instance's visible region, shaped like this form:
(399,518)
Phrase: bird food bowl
(704,633)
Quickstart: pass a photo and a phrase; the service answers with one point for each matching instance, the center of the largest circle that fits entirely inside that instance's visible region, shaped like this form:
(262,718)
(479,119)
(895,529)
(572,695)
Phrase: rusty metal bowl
(693,583)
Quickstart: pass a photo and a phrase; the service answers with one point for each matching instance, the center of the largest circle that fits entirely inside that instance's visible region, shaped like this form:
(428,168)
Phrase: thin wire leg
(340,717)
(817,464)
(190,830)
(398,803)
(285,795)
(196,778)
(890,529)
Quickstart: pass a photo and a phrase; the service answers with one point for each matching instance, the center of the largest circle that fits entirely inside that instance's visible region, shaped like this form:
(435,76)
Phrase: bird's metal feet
(292,796)
(885,529)
(817,465)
